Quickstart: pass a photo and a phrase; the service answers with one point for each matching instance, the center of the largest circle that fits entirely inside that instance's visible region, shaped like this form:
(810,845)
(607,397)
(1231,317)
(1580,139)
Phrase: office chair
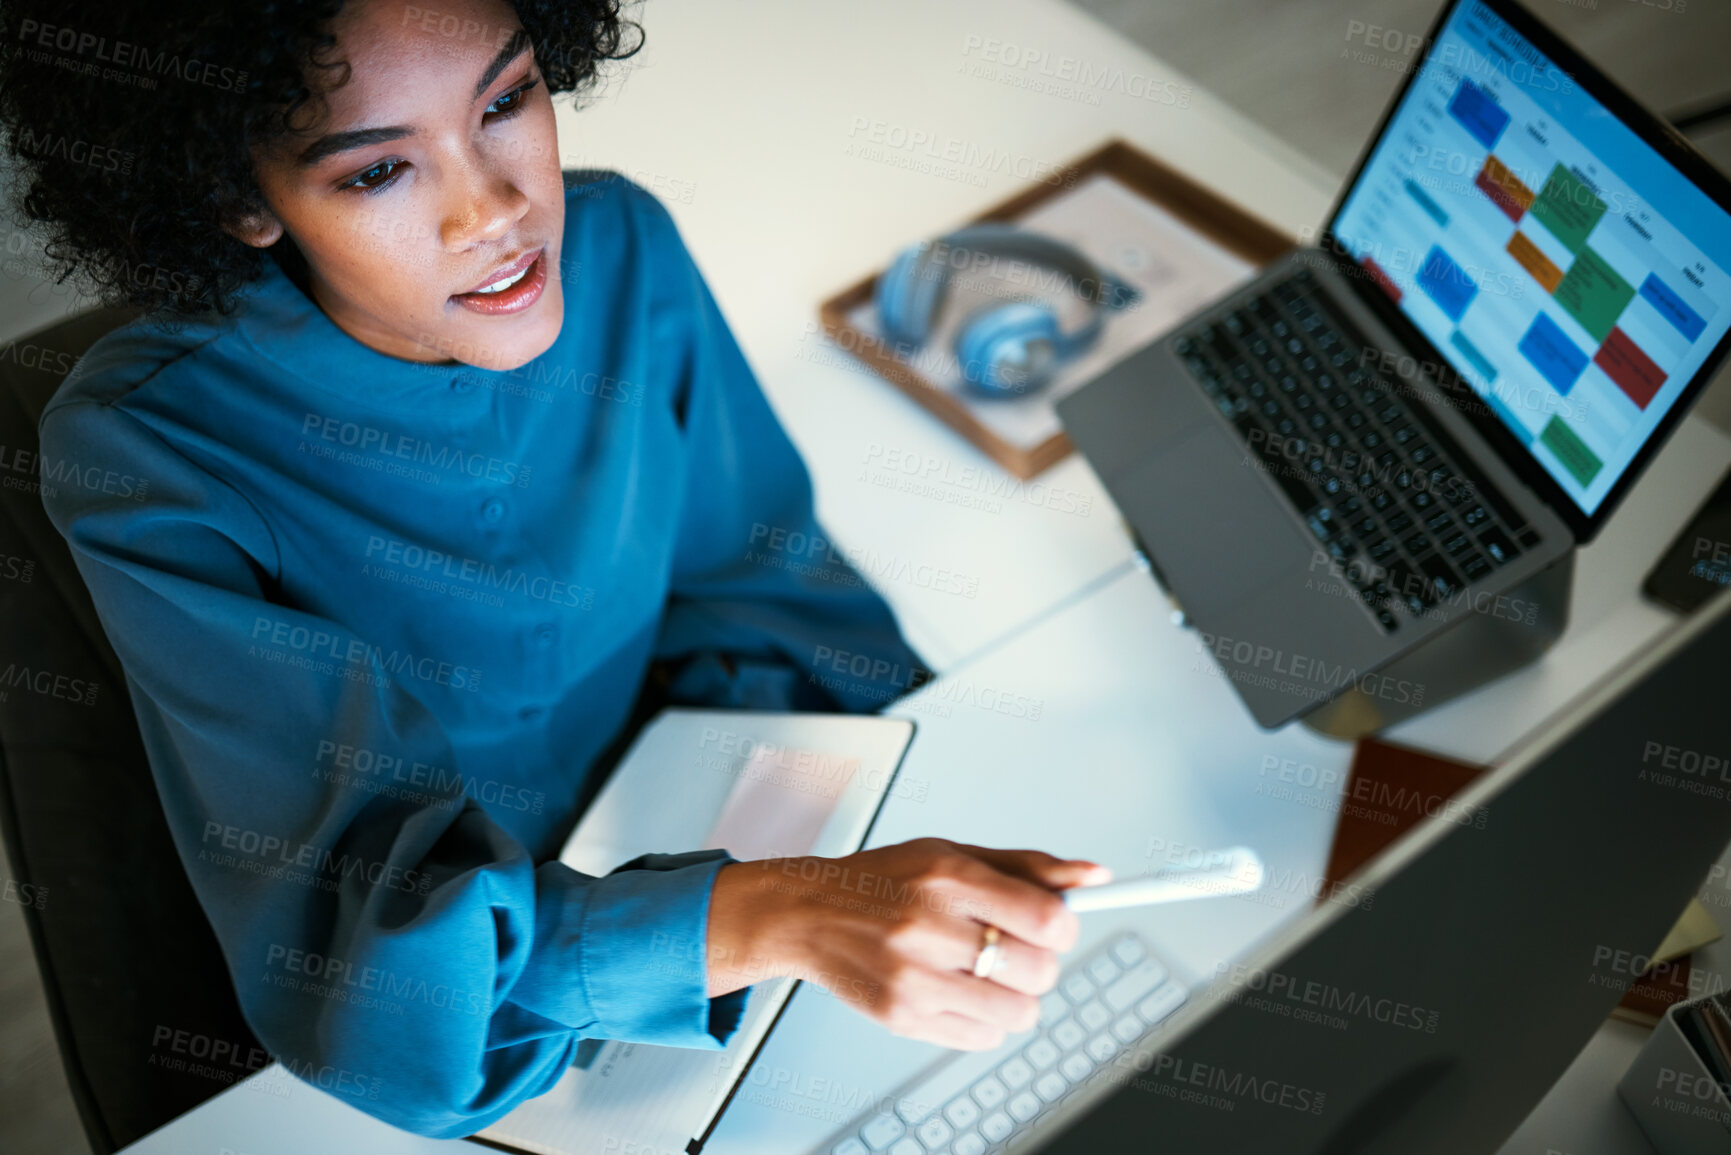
(144,1013)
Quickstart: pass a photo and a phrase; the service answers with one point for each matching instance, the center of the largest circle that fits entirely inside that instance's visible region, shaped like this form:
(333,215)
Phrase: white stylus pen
(1222,873)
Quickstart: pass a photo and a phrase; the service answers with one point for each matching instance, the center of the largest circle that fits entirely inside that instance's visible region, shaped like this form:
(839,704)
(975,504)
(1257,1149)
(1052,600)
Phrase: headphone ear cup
(907,296)
(1009,350)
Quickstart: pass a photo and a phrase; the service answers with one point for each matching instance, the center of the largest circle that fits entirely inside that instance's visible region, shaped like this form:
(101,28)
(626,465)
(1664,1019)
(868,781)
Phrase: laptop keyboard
(974,1102)
(1392,498)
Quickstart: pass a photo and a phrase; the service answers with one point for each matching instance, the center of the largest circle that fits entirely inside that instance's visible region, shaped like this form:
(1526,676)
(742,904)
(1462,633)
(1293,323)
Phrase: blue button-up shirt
(379,618)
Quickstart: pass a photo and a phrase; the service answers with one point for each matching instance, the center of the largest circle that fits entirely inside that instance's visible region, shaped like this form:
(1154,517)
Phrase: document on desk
(759,785)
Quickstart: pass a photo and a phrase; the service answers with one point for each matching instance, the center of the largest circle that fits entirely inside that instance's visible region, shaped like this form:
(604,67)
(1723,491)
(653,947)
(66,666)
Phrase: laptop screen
(1573,277)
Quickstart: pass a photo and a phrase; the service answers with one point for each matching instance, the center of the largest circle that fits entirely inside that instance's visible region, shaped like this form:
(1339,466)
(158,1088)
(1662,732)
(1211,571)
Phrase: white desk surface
(754,164)
(755,167)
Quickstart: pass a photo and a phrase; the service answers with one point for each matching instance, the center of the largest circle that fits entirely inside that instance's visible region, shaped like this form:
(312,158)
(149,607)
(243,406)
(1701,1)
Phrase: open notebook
(759,785)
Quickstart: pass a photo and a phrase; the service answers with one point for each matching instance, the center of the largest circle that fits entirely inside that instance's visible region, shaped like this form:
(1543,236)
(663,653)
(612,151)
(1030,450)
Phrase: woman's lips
(514,299)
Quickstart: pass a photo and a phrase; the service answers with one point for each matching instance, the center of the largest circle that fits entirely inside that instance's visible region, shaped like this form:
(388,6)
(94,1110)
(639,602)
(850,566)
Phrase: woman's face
(434,176)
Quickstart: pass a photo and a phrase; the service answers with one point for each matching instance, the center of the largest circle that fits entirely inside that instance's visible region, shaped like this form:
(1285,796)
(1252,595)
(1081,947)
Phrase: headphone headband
(1006,347)
(993,239)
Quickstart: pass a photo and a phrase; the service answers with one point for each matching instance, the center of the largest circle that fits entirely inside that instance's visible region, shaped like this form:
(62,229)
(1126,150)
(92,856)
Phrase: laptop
(1524,285)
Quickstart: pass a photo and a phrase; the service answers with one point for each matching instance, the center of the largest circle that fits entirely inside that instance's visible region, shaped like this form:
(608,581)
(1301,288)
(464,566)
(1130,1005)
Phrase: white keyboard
(970,1103)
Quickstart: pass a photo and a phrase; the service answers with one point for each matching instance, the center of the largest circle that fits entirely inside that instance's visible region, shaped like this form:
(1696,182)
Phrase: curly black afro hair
(130,125)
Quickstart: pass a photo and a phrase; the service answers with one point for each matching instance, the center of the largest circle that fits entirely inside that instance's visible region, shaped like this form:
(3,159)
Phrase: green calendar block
(1568,208)
(1594,294)
(1580,461)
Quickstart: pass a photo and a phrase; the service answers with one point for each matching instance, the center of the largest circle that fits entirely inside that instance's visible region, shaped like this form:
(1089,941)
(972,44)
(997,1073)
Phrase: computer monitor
(1435,1017)
(1553,242)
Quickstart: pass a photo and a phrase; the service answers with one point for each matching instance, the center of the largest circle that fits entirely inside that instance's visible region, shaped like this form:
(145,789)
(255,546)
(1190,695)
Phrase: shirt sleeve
(398,949)
(766,610)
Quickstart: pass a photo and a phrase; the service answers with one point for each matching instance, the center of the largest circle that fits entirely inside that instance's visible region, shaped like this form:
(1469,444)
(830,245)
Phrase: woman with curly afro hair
(434,465)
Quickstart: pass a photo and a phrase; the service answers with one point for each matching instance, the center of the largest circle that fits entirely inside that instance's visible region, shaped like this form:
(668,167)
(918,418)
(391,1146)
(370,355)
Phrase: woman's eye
(511,102)
(376,177)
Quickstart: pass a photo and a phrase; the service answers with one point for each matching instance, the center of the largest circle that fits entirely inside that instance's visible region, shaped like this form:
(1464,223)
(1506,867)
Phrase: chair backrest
(143,1008)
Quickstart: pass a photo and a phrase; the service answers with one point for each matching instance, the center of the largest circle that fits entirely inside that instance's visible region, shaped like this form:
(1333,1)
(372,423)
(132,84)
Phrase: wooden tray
(1220,221)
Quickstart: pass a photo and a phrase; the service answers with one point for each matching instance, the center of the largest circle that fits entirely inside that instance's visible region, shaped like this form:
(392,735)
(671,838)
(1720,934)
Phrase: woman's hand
(895,932)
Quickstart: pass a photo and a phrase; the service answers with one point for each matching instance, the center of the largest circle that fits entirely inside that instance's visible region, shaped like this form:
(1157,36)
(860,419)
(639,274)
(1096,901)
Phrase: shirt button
(544,636)
(492,509)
